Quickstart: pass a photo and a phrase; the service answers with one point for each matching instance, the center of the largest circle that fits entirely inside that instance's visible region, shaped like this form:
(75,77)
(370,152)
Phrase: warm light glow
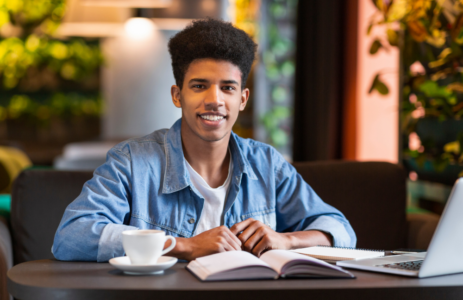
(103,29)
(89,29)
(417,69)
(414,142)
(129,3)
(139,28)
(208,5)
(377,115)
(171,23)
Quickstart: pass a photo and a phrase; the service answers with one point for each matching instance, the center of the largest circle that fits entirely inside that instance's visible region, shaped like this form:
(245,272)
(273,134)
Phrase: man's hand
(219,239)
(257,237)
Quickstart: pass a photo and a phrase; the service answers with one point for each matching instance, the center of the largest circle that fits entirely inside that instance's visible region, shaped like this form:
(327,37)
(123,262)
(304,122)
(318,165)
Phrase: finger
(233,240)
(221,247)
(238,227)
(226,234)
(254,239)
(263,245)
(226,246)
(222,244)
(250,230)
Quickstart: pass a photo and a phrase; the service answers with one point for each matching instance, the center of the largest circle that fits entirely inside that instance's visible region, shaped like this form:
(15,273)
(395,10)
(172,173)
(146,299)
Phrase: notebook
(333,254)
(273,264)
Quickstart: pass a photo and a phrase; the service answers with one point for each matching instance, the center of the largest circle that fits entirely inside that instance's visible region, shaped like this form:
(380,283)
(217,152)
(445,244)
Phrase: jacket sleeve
(91,227)
(299,208)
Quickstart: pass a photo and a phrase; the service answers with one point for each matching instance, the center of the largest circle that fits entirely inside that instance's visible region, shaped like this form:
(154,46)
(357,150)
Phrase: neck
(209,159)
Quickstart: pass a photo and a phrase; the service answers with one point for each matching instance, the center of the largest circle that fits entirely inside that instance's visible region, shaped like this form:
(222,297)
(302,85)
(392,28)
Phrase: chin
(213,137)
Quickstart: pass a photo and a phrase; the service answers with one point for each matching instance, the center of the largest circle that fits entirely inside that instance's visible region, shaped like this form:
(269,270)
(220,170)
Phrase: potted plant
(429,34)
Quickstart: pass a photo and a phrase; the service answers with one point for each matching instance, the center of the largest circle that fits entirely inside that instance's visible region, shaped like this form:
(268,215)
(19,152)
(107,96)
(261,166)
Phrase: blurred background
(366,80)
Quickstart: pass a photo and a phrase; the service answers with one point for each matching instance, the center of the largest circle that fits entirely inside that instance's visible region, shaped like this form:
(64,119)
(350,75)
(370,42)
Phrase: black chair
(38,201)
(372,196)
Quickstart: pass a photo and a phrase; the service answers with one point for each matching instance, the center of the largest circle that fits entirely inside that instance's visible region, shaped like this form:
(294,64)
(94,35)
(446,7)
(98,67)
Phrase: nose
(213,98)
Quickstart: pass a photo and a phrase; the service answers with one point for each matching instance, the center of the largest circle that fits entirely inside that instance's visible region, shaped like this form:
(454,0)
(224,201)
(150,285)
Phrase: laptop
(444,255)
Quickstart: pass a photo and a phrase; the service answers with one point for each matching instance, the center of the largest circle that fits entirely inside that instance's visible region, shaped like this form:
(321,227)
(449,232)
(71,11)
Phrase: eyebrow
(230,82)
(205,81)
(199,80)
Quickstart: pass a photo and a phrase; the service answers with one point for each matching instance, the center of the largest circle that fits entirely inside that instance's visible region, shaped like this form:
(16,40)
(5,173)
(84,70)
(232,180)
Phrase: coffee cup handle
(172,245)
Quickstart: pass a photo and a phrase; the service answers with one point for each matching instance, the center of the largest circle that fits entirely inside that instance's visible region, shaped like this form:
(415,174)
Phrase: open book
(240,265)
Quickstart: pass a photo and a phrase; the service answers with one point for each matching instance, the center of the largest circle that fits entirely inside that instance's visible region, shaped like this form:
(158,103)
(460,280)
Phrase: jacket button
(191,221)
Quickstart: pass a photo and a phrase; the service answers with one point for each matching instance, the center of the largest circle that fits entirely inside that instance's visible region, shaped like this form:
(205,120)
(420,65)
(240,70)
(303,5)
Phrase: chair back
(372,196)
(38,201)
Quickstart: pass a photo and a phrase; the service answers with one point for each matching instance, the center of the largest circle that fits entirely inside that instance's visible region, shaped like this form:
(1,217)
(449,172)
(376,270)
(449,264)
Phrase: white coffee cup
(144,247)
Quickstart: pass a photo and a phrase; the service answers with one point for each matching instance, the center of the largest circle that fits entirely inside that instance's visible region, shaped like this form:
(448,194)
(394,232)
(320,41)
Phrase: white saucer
(123,263)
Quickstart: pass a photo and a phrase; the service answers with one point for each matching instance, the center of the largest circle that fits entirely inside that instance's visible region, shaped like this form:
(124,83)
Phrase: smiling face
(211,99)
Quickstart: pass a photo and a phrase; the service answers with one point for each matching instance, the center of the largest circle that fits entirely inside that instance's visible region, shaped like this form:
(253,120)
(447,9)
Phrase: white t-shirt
(214,199)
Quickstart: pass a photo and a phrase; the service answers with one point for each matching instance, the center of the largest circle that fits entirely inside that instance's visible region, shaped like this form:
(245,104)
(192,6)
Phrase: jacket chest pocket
(268,217)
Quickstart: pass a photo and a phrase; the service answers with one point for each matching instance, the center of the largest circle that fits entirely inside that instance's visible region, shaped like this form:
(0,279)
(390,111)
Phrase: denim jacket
(145,184)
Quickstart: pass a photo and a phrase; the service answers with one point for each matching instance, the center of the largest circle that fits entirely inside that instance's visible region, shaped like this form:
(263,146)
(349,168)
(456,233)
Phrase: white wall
(136,85)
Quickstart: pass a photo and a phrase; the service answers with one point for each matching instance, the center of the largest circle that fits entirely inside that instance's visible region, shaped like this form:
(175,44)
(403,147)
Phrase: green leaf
(457,30)
(287,68)
(369,28)
(392,37)
(375,46)
(432,89)
(456,50)
(279,94)
(279,137)
(281,112)
(375,4)
(373,84)
(445,53)
(269,58)
(382,88)
(278,10)
(452,147)
(272,72)
(379,86)
(440,164)
(281,46)
(269,121)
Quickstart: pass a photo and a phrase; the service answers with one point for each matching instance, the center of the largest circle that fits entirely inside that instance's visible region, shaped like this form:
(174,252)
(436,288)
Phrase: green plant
(278,59)
(429,34)
(41,76)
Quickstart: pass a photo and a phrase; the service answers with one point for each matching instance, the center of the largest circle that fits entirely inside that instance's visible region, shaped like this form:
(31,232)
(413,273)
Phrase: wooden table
(51,279)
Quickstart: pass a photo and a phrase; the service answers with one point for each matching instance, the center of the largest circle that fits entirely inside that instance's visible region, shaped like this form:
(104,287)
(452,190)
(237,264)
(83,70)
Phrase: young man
(198,181)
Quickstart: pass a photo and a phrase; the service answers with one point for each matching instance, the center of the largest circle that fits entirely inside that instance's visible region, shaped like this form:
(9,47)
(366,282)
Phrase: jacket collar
(176,176)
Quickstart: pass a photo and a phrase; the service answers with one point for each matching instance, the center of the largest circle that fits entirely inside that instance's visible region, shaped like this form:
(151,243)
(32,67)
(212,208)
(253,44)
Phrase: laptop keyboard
(409,265)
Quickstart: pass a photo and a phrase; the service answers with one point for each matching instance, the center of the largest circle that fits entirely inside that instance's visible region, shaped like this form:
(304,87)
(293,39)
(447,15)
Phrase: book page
(229,260)
(339,253)
(278,259)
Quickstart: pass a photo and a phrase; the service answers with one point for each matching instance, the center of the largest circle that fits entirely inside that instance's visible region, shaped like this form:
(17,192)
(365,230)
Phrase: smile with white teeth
(211,117)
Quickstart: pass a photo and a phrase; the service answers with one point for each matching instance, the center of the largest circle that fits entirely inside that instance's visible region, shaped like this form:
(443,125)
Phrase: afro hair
(210,38)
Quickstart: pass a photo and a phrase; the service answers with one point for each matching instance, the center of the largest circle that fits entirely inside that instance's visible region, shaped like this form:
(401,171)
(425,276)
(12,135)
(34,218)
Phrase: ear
(244,98)
(175,92)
